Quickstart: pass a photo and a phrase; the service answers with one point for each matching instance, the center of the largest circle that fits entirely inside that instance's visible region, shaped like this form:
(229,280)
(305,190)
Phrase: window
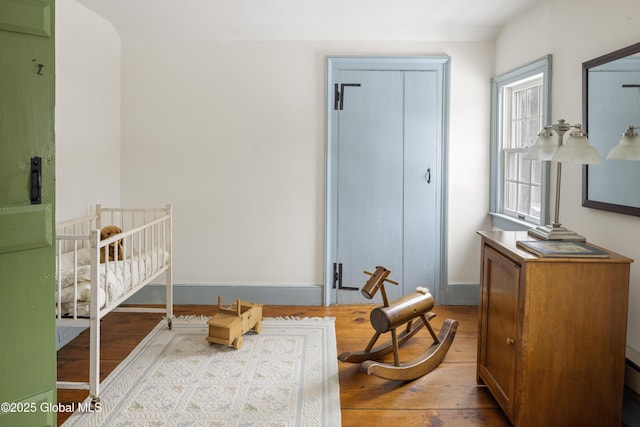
(521,122)
(520,108)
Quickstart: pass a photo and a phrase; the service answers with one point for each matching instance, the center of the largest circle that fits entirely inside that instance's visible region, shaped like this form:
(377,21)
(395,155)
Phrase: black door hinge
(338,94)
(337,278)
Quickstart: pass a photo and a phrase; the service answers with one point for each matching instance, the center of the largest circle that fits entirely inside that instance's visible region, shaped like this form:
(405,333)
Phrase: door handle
(428,175)
(36,181)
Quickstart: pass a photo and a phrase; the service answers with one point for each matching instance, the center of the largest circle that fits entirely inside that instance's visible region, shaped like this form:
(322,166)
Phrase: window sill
(509,223)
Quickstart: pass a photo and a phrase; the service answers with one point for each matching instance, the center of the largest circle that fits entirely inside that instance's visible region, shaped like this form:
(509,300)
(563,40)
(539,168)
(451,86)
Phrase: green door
(27,257)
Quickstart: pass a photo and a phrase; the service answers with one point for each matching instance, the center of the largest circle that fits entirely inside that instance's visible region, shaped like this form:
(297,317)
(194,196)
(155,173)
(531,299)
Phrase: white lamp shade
(543,149)
(577,150)
(627,149)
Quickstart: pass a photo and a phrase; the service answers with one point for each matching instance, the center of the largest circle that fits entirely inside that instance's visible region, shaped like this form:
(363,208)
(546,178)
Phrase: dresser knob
(511,341)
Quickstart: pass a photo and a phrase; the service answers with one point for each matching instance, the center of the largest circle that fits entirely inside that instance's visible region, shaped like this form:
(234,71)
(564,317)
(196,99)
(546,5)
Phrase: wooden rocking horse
(388,318)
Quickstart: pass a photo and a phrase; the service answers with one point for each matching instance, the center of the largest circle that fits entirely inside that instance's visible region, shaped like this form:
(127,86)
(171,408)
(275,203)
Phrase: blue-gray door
(385,180)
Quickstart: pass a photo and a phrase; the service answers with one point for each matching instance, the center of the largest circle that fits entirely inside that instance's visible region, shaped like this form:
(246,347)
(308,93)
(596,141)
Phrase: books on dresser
(561,249)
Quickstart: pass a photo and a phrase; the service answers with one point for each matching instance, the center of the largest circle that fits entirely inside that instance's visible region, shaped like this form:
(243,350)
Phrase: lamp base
(555,232)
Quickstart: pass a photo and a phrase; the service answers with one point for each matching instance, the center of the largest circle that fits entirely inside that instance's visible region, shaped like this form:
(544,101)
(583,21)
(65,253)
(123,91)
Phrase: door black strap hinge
(338,94)
(337,278)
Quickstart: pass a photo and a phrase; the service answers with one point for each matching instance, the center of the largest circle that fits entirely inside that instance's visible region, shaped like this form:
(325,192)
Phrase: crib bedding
(120,277)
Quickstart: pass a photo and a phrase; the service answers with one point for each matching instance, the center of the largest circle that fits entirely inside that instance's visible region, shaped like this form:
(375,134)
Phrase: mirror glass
(611,103)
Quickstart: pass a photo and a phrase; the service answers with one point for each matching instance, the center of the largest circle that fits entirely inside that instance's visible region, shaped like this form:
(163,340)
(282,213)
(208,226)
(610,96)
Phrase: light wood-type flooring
(447,396)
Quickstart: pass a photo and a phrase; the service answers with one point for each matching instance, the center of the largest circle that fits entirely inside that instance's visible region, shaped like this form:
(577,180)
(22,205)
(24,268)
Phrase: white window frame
(500,85)
(516,134)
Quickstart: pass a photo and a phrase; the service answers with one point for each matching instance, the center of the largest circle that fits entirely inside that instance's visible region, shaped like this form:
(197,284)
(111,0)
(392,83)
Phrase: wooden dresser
(552,334)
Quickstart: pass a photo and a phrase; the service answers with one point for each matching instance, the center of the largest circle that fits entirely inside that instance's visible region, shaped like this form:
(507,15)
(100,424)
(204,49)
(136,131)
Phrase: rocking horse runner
(414,306)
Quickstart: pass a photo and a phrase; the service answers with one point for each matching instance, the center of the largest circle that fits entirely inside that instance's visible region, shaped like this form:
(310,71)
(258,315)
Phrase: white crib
(87,290)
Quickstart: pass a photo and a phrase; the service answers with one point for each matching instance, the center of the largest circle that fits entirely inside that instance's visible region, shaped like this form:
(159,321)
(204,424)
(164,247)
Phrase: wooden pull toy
(230,322)
(388,318)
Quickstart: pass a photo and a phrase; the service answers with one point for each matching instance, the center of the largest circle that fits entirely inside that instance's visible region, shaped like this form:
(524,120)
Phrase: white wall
(87,111)
(233,135)
(575,31)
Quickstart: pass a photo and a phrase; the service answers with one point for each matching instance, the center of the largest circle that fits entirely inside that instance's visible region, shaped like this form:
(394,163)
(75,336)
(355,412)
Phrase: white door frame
(439,64)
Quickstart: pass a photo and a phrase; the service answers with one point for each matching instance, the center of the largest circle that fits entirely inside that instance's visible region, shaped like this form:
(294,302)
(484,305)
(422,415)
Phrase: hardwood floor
(447,396)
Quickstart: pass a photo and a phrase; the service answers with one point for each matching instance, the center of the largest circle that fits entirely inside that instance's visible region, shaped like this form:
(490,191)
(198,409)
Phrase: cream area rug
(285,376)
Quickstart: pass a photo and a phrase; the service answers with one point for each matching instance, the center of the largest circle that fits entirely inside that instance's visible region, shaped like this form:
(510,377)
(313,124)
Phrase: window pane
(525,169)
(534,102)
(519,135)
(524,199)
(534,127)
(510,165)
(536,172)
(507,137)
(536,202)
(520,109)
(511,194)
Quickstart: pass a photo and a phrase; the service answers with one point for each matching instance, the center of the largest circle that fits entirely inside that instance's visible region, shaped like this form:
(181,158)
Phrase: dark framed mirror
(610,104)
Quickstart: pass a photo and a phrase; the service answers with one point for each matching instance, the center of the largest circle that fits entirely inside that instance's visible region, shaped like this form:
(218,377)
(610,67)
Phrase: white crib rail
(76,242)
(146,252)
(146,241)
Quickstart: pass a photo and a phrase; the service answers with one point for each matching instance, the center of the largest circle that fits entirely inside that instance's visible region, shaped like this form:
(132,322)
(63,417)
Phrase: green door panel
(26,16)
(25,227)
(37,410)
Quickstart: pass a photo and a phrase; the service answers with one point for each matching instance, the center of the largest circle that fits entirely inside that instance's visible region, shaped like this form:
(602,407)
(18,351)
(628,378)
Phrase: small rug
(285,376)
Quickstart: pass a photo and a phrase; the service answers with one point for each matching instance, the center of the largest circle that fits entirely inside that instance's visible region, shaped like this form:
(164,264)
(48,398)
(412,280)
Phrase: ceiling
(229,20)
